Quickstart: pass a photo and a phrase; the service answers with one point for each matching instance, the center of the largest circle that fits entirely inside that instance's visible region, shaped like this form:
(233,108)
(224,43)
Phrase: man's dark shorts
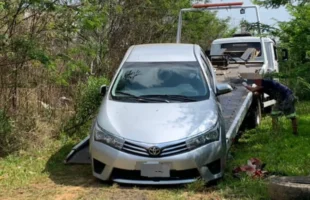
(286,107)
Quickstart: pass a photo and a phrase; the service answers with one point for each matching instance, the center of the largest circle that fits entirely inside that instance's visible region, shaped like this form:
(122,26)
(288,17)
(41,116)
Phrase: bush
(87,102)
(5,132)
(296,76)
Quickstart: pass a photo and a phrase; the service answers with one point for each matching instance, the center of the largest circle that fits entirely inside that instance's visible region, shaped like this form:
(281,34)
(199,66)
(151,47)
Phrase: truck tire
(289,188)
(254,115)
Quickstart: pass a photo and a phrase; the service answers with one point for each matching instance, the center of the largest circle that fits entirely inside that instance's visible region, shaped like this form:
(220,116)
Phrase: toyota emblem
(154,151)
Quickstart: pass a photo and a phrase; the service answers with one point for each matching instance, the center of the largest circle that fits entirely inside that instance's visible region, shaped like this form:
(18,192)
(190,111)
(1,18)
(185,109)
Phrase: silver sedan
(160,121)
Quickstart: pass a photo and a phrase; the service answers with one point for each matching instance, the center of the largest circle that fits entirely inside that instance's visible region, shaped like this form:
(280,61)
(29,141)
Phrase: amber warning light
(208,5)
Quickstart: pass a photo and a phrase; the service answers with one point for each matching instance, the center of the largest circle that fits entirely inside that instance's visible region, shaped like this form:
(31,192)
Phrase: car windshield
(180,80)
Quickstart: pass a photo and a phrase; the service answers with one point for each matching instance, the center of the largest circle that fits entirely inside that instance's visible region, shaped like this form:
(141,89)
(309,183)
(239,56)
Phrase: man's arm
(255,89)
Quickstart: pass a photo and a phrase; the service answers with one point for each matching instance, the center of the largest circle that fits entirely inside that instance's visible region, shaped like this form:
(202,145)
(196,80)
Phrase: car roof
(240,39)
(163,52)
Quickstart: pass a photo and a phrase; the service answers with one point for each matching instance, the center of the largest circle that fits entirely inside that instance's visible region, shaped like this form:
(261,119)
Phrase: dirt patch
(70,192)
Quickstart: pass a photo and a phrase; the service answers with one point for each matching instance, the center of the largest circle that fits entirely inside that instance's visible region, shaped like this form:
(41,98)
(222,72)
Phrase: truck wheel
(290,187)
(254,116)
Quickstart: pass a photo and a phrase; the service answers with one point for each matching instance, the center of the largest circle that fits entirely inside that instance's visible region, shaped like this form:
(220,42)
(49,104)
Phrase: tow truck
(234,60)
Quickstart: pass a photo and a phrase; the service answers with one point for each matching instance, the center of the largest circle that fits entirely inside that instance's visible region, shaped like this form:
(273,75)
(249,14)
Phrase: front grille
(166,149)
(135,149)
(174,149)
(174,174)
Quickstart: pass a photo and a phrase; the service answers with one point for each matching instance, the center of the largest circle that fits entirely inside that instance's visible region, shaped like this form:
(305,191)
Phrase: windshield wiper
(172,97)
(142,98)
(127,94)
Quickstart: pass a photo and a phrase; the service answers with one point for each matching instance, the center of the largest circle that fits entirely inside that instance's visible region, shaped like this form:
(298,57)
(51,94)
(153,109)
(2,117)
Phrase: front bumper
(111,164)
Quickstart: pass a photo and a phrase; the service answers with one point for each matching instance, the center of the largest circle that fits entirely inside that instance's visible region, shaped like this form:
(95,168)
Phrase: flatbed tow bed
(235,104)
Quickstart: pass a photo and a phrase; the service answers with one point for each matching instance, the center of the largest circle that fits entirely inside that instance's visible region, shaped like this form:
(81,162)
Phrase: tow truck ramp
(79,153)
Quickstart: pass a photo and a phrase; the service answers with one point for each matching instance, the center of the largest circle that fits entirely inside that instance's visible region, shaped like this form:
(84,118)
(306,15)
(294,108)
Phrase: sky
(266,15)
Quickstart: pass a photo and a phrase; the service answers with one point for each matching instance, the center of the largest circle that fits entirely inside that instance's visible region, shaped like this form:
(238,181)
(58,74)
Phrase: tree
(295,36)
(278,3)
(253,28)
(49,48)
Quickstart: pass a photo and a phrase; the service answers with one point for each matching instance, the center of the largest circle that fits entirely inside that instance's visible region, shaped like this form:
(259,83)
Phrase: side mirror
(103,90)
(284,54)
(223,88)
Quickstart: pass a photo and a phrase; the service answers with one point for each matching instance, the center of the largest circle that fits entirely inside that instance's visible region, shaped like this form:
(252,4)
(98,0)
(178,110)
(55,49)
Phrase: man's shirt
(275,89)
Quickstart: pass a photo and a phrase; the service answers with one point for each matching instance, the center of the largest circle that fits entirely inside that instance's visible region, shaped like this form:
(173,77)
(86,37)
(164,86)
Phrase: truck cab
(243,48)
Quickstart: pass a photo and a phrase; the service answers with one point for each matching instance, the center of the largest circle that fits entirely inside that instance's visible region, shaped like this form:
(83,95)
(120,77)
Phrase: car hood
(157,122)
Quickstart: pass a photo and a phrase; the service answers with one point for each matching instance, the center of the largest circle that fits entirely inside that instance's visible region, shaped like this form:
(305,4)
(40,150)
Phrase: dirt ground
(76,182)
(91,188)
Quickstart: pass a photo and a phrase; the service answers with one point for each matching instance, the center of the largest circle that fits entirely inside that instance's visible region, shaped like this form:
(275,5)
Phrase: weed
(197,186)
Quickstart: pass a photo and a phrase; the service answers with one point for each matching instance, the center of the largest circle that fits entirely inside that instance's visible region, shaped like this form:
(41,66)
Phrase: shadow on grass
(72,175)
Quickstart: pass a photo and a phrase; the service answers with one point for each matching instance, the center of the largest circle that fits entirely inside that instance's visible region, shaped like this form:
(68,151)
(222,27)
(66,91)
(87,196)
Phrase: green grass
(41,174)
(282,152)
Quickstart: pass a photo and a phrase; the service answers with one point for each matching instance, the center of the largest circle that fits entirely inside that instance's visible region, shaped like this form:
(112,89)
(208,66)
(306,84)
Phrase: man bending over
(284,97)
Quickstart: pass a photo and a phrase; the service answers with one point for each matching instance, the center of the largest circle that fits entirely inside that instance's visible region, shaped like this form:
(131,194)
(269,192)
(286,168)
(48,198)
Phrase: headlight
(108,138)
(204,138)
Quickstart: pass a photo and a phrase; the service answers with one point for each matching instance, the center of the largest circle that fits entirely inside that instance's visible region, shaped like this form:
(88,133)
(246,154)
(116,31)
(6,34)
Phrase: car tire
(289,188)
(254,115)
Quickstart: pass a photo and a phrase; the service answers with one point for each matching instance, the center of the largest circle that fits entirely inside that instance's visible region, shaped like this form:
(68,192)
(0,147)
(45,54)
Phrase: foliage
(295,36)
(259,29)
(5,132)
(278,3)
(58,44)
(204,27)
(87,101)
(92,35)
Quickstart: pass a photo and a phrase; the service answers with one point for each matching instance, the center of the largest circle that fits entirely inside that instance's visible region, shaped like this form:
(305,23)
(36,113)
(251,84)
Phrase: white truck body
(269,44)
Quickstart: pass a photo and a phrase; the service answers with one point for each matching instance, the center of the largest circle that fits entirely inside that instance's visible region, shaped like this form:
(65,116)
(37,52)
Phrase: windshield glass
(236,50)
(161,79)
